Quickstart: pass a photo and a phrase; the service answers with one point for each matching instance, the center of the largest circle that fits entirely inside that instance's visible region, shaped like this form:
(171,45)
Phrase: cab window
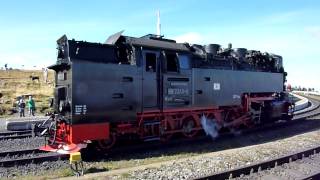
(151,62)
(184,62)
(172,62)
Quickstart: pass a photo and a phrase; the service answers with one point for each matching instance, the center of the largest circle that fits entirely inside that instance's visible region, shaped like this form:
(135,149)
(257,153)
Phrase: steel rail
(32,160)
(309,112)
(10,133)
(20,152)
(257,167)
(15,135)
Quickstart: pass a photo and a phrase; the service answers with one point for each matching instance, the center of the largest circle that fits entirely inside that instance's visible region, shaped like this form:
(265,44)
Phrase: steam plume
(210,126)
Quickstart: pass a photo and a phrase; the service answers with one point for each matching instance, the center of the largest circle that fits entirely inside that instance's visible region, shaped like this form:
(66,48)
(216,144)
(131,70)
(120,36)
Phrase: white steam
(210,126)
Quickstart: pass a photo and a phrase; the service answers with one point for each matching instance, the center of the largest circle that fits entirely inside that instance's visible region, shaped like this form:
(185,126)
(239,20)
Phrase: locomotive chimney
(212,49)
(158,24)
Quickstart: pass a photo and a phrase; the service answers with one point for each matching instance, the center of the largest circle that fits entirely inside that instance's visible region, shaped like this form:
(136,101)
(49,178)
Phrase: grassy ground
(110,165)
(15,83)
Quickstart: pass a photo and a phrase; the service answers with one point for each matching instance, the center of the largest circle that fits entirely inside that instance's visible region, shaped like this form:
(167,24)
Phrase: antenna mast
(158,24)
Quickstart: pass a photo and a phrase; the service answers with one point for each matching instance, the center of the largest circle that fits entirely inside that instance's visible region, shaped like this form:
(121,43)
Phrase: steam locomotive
(152,88)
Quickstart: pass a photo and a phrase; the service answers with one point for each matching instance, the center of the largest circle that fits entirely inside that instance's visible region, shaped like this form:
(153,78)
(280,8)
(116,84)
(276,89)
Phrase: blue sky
(291,28)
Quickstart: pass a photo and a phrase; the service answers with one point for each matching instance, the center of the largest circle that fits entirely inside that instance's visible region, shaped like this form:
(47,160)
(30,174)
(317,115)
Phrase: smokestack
(158,24)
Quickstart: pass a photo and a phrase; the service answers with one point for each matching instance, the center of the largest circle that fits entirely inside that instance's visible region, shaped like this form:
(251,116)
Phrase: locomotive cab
(166,80)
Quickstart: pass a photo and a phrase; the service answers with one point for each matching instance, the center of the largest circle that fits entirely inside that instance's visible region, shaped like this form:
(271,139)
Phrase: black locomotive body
(154,87)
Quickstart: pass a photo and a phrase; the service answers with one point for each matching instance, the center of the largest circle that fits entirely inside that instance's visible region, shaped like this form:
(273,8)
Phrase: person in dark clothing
(21,105)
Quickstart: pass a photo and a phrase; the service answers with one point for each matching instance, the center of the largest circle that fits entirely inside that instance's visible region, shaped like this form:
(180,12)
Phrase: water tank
(212,48)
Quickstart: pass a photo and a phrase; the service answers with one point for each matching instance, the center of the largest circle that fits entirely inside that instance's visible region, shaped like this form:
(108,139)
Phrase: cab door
(177,81)
(151,80)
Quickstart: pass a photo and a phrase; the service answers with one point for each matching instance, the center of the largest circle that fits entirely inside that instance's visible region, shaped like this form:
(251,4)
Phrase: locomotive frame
(153,88)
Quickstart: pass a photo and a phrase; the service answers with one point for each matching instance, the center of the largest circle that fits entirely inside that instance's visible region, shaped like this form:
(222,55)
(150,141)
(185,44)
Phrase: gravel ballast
(21,144)
(220,161)
(29,169)
(206,159)
(254,148)
(32,169)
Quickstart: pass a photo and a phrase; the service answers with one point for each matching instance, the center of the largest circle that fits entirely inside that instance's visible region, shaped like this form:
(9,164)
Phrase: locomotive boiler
(152,88)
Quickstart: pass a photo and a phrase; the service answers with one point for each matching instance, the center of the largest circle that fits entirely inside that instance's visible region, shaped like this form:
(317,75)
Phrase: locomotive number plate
(178,91)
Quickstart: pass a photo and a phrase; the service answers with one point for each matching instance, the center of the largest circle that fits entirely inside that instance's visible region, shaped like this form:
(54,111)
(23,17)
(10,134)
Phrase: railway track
(28,156)
(309,112)
(36,158)
(15,135)
(301,165)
